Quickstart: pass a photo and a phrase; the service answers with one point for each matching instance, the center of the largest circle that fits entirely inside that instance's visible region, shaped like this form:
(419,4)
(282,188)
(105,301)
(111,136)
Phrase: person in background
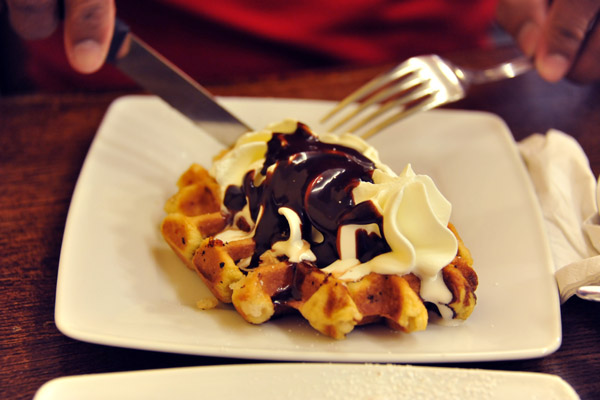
(229,40)
(224,40)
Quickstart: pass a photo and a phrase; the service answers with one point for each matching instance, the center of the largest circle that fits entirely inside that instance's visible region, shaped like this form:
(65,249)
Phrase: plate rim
(49,389)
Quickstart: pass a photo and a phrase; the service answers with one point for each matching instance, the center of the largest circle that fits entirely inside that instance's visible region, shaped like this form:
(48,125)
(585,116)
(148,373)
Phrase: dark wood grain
(44,140)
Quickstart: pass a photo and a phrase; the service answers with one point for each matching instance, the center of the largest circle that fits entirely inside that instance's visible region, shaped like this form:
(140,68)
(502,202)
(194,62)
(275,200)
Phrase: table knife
(159,76)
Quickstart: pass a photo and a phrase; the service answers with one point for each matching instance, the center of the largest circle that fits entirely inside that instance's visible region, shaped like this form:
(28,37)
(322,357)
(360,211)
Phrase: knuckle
(566,36)
(90,10)
(33,19)
(88,16)
(32,6)
(570,23)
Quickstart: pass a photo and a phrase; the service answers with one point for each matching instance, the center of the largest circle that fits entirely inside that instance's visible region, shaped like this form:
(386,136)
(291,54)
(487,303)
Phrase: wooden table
(44,140)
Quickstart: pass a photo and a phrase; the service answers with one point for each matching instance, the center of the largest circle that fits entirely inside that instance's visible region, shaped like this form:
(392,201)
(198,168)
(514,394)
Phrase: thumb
(88,30)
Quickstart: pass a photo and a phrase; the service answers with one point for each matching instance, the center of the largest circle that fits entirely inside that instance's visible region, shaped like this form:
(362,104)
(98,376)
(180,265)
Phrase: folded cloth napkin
(567,192)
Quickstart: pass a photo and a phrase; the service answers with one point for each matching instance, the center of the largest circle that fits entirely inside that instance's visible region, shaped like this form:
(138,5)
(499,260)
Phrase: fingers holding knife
(33,19)
(88,27)
(88,30)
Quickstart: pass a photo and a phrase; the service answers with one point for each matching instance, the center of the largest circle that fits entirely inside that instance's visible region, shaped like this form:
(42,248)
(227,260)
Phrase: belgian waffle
(276,285)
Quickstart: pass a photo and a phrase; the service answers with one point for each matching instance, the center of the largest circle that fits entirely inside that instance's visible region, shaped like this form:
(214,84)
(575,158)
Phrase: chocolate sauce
(315,180)
(368,245)
(234,198)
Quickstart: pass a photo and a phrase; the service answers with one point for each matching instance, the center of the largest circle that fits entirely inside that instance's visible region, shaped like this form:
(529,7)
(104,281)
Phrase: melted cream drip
(295,248)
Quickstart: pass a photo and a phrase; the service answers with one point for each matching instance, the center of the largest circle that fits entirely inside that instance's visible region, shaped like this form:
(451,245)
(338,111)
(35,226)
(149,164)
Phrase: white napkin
(567,192)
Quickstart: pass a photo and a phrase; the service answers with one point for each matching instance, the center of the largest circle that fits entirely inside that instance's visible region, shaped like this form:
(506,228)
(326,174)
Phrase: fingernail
(87,56)
(528,38)
(553,67)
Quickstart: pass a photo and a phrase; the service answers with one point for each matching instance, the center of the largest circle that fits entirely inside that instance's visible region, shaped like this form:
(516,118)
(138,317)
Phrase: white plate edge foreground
(293,380)
(73,331)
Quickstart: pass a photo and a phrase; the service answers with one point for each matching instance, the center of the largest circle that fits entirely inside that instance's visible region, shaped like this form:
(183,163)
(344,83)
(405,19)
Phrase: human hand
(559,36)
(88,27)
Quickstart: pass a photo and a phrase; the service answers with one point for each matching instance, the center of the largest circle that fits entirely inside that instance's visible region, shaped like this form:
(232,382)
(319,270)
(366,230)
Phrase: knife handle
(119,34)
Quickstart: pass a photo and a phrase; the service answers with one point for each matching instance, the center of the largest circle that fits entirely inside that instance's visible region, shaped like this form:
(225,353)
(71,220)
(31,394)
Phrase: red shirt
(219,40)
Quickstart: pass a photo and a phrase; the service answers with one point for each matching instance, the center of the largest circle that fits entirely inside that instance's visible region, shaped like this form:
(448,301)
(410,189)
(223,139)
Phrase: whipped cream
(415,215)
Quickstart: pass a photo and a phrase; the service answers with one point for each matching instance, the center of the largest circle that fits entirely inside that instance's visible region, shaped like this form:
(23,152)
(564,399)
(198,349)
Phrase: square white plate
(310,381)
(119,283)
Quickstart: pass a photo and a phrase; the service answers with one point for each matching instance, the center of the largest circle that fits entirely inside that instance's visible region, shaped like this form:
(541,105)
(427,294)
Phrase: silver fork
(418,84)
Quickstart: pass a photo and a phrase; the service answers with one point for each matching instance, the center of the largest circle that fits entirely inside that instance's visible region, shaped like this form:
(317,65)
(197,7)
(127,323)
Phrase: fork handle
(510,69)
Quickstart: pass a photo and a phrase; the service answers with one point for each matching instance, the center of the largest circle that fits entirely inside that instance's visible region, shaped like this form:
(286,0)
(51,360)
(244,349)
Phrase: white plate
(310,381)
(119,284)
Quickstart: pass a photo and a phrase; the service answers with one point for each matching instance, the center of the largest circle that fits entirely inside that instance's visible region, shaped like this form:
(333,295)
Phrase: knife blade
(159,76)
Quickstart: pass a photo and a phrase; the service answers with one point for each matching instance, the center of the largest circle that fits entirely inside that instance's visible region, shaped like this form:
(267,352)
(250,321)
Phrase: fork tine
(409,97)
(405,83)
(374,84)
(426,104)
(418,84)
